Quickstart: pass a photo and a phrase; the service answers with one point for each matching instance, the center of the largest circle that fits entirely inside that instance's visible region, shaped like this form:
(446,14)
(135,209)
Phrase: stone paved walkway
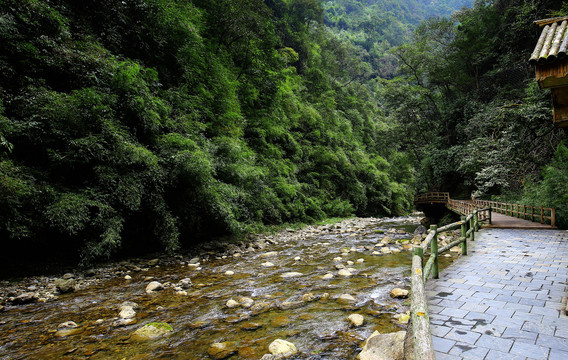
(505,299)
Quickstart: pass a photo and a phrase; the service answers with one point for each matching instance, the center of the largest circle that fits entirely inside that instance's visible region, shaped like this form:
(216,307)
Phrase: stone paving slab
(505,299)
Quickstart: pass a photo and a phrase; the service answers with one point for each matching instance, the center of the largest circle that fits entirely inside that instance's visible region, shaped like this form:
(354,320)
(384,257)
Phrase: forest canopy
(148,125)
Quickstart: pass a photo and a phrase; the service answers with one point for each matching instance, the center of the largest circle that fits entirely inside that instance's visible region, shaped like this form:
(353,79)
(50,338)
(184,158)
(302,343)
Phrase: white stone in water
(127,277)
(297,258)
(127,312)
(395,251)
(352,270)
(282,347)
(345,251)
(193,266)
(398,293)
(356,319)
(154,286)
(360,261)
(327,276)
(447,255)
(224,257)
(349,263)
(237,255)
(376,253)
(326,244)
(246,302)
(231,304)
(68,325)
(353,249)
(340,266)
(291,274)
(229,273)
(344,272)
(346,299)
(386,250)
(267,264)
(99,321)
(336,259)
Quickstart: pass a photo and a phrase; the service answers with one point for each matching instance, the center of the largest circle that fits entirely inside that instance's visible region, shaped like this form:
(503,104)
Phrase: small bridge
(498,214)
(504,298)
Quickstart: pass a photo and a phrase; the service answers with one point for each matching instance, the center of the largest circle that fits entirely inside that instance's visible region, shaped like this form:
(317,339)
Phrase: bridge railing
(466,207)
(526,212)
(422,337)
(432,197)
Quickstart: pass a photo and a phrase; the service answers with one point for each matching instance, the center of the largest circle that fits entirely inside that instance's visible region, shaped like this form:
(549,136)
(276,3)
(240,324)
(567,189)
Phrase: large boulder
(383,346)
(25,298)
(281,347)
(398,293)
(65,286)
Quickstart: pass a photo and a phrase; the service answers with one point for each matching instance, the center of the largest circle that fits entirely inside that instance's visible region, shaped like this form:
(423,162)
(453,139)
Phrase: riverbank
(308,286)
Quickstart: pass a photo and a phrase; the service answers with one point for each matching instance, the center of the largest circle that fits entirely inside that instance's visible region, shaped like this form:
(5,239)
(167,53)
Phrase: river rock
(337,259)
(67,325)
(232,304)
(260,307)
(386,251)
(398,293)
(267,264)
(127,312)
(344,272)
(328,276)
(127,277)
(124,322)
(269,254)
(356,319)
(246,302)
(383,347)
(222,350)
(152,331)
(346,299)
(421,229)
(153,262)
(309,297)
(291,304)
(185,283)
(25,298)
(229,272)
(291,274)
(360,261)
(376,253)
(154,286)
(349,263)
(386,240)
(282,347)
(131,304)
(65,286)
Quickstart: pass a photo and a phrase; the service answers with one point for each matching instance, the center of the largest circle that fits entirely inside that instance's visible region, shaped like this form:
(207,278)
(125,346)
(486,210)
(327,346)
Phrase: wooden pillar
(472,227)
(542,215)
(464,235)
(489,215)
(434,251)
(553,216)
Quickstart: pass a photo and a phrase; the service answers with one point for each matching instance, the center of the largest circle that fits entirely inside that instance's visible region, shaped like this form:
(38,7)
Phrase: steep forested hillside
(155,123)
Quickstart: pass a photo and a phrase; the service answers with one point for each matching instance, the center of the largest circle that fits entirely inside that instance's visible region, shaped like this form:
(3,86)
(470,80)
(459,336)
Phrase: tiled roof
(553,41)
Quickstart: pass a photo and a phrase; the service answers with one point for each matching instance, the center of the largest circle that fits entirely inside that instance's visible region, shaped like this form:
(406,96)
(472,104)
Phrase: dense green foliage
(154,123)
(469,107)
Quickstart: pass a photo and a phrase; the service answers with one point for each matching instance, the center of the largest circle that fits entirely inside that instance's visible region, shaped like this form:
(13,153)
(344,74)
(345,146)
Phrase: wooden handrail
(422,336)
(534,213)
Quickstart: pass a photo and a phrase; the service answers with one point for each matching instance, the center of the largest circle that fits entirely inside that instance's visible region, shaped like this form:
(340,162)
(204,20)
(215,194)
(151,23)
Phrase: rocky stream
(318,293)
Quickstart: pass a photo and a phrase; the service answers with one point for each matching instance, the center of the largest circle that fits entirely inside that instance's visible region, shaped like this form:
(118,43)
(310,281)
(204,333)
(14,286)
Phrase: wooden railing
(526,212)
(422,337)
(533,213)
(432,198)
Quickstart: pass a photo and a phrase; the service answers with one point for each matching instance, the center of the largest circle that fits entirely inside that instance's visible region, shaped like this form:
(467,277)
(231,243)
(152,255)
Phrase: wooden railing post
(553,216)
(476,220)
(464,235)
(542,215)
(434,251)
(489,214)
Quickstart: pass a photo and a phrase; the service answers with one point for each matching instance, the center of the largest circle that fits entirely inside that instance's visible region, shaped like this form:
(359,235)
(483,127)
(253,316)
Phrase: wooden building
(551,63)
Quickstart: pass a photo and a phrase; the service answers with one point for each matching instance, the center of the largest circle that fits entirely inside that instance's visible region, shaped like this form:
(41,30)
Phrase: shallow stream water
(318,327)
